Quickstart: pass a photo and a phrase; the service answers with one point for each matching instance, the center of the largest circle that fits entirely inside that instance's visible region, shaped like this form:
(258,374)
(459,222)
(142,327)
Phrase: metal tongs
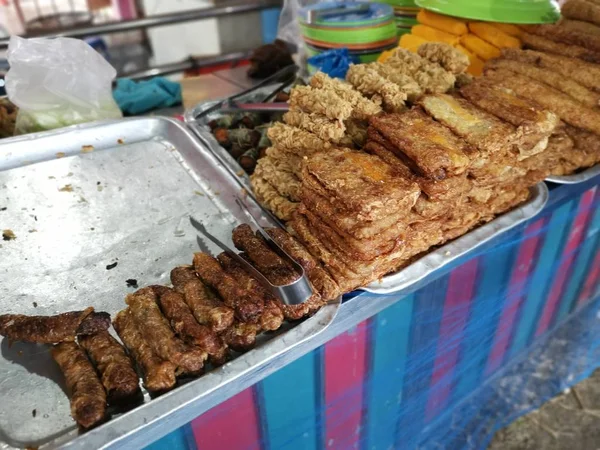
(294,293)
(286,76)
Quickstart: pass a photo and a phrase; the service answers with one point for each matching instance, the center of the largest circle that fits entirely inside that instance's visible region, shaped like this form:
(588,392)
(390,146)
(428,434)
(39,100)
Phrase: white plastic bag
(58,82)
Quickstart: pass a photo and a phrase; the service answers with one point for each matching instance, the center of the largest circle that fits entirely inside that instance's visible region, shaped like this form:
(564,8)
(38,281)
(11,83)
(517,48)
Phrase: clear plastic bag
(58,82)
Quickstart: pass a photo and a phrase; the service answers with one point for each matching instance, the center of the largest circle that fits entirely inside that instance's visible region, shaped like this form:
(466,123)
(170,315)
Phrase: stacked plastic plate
(405,14)
(365,29)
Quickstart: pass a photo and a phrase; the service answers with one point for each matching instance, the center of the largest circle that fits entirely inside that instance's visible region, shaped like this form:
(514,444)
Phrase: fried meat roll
(155,329)
(116,369)
(158,373)
(559,33)
(241,336)
(278,271)
(247,308)
(272,316)
(206,306)
(184,324)
(52,329)
(543,44)
(87,396)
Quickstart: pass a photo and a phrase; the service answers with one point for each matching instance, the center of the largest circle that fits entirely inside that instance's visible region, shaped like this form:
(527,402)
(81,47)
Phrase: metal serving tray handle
(408,278)
(84,197)
(581,177)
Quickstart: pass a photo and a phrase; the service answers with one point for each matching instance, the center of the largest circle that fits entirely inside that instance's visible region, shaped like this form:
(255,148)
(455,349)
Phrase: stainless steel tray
(576,178)
(79,200)
(408,278)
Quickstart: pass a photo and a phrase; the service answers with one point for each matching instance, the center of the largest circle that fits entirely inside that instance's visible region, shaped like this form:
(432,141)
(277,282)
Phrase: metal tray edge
(582,177)
(428,264)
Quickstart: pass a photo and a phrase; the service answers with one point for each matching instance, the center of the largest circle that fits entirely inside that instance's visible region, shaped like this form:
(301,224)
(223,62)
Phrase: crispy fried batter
(584,73)
(406,83)
(182,321)
(357,131)
(118,375)
(318,277)
(534,124)
(280,175)
(158,374)
(368,81)
(430,148)
(46,329)
(432,77)
(320,101)
(543,44)
(362,108)
(248,308)
(272,316)
(268,196)
(321,126)
(570,111)
(296,141)
(289,159)
(478,128)
(207,308)
(277,270)
(558,81)
(451,59)
(360,182)
(155,329)
(87,396)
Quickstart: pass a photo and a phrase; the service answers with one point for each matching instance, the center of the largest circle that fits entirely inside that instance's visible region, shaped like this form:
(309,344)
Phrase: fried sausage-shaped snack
(207,308)
(279,271)
(272,316)
(52,329)
(241,336)
(156,331)
(182,321)
(116,369)
(318,277)
(158,374)
(87,396)
(247,308)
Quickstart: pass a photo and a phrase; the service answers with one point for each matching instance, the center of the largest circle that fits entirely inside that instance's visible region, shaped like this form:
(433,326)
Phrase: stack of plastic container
(405,14)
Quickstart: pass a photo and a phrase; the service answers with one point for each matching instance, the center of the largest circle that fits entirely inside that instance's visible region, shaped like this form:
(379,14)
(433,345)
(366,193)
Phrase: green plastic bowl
(510,11)
(356,35)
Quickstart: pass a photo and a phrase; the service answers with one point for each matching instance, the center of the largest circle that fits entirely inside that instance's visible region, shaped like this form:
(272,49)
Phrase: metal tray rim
(116,431)
(582,177)
(446,254)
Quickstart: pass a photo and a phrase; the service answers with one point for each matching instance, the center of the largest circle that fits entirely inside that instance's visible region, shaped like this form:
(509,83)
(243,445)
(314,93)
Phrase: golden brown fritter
(320,101)
(206,306)
(296,141)
(451,59)
(369,82)
(52,329)
(432,77)
(116,369)
(156,331)
(406,83)
(280,175)
(158,373)
(324,128)
(272,200)
(87,396)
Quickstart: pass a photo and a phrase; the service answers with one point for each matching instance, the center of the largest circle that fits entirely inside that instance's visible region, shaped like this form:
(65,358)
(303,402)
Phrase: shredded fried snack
(445,55)
(406,84)
(570,111)
(320,101)
(158,374)
(118,375)
(584,73)
(52,329)
(431,77)
(87,396)
(543,44)
(564,84)
(272,316)
(321,126)
(156,331)
(280,175)
(362,108)
(248,308)
(182,321)
(290,159)
(369,82)
(296,141)
(268,196)
(207,308)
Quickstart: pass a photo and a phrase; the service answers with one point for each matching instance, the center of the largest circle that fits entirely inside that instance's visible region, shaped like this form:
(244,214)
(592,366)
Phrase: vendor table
(474,347)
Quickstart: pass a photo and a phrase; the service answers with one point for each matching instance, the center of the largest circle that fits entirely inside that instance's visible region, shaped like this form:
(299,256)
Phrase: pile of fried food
(214,307)
(443,153)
